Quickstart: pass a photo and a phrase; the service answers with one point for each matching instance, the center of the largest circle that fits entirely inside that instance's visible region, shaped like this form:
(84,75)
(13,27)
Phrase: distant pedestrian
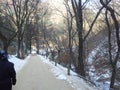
(7,72)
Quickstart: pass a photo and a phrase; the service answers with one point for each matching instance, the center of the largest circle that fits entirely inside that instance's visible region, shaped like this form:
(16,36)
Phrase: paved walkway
(36,75)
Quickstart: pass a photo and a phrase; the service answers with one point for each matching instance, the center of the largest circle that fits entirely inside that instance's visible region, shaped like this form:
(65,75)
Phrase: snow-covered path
(36,75)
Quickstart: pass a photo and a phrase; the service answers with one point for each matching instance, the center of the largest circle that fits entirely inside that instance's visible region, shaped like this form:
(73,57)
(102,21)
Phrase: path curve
(36,75)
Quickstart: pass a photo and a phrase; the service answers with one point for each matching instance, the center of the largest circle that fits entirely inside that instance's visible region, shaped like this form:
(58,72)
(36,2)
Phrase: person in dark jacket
(7,72)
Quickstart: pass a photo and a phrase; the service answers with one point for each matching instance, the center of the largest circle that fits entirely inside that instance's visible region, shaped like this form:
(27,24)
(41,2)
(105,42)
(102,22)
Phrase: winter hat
(3,55)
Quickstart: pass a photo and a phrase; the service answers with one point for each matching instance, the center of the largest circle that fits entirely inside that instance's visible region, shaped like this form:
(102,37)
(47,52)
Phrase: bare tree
(23,9)
(113,62)
(78,7)
(69,19)
(7,31)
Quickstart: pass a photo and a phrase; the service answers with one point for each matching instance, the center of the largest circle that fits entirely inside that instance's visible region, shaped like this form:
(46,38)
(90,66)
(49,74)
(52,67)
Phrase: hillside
(95,40)
(98,58)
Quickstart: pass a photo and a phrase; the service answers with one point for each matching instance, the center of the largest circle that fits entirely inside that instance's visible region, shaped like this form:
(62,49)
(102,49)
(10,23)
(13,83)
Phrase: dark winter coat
(7,75)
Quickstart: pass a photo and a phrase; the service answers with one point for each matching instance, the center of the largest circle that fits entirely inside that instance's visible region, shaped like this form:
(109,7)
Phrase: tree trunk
(80,68)
(59,56)
(30,45)
(113,77)
(37,44)
(18,50)
(22,50)
(70,50)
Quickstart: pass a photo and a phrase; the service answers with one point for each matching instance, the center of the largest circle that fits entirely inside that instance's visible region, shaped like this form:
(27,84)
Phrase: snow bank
(18,63)
(118,64)
(61,73)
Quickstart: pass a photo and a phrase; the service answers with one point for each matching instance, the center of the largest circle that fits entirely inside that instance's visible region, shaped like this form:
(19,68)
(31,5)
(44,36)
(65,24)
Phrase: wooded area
(67,31)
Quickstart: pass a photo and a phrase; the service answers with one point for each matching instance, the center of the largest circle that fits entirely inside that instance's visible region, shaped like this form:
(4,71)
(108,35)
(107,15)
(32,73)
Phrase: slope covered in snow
(99,64)
(61,73)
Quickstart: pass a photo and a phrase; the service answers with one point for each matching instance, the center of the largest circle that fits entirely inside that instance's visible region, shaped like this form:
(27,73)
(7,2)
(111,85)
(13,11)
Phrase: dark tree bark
(59,55)
(77,7)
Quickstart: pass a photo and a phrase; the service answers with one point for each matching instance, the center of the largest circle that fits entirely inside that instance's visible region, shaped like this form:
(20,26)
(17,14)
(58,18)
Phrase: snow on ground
(59,71)
(93,76)
(18,63)
(118,64)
